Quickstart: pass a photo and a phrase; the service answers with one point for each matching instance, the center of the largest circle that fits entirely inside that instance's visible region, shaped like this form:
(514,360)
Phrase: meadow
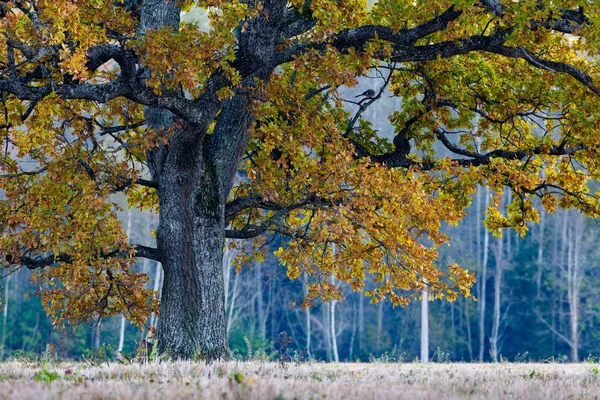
(258,380)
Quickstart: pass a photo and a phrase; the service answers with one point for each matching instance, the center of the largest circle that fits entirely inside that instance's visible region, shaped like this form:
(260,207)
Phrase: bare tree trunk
(334,346)
(262,311)
(425,326)
(354,326)
(453,326)
(123,319)
(574,280)
(361,320)
(563,263)
(501,256)
(157,288)
(96,337)
(231,293)
(5,314)
(468,325)
(540,254)
(307,315)
(482,294)
(326,314)
(379,325)
(497,301)
(231,310)
(271,311)
(121,334)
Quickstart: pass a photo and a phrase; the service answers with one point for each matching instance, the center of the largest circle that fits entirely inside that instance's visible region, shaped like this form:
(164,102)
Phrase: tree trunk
(332,304)
(574,280)
(425,327)
(494,337)
(334,346)
(122,325)
(482,293)
(468,326)
(540,254)
(190,234)
(194,172)
(307,315)
(157,288)
(193,184)
(325,325)
(231,307)
(96,335)
(190,239)
(5,315)
(361,320)
(263,312)
(379,342)
(502,256)
(121,335)
(353,335)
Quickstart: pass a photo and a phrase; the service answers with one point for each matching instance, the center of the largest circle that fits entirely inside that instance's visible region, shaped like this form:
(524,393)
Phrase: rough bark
(190,239)
(194,173)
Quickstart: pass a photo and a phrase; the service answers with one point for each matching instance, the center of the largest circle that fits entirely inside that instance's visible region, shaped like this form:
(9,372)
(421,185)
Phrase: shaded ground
(254,380)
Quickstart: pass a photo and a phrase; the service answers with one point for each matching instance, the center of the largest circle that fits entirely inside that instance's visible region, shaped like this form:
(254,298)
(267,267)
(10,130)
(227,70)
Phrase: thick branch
(298,27)
(109,130)
(276,222)
(239,204)
(146,252)
(25,173)
(357,37)
(541,63)
(42,262)
(39,263)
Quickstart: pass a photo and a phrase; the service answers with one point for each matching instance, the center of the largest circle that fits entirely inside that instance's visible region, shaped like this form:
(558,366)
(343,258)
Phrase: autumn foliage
(507,100)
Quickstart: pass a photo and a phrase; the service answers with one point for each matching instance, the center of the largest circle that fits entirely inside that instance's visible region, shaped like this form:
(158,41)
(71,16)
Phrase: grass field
(254,380)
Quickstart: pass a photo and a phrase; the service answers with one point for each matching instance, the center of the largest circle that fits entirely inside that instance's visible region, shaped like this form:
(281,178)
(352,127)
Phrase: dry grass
(254,380)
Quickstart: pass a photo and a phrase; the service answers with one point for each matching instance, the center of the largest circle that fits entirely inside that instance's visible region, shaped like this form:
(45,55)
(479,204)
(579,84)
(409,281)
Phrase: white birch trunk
(497,301)
(425,326)
(5,314)
(231,309)
(574,280)
(156,288)
(307,315)
(486,242)
(498,275)
(540,254)
(334,346)
(122,326)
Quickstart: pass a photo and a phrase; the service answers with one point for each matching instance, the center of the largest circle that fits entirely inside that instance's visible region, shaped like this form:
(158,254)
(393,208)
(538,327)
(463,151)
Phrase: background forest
(538,298)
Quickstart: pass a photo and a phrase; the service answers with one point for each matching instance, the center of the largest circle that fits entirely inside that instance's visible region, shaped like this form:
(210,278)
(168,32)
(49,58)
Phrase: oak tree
(106,96)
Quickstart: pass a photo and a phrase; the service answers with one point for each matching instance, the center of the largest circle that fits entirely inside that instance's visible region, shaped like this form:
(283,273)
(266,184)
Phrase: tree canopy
(98,95)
